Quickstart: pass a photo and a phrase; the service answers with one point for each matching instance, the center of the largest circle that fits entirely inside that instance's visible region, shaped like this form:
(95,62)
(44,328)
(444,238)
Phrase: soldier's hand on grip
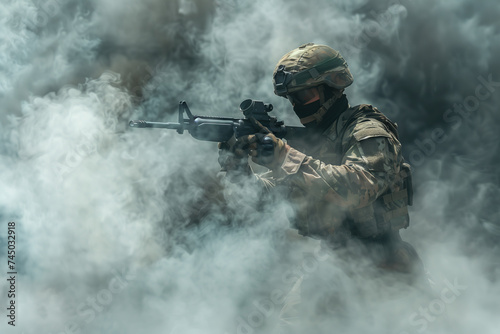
(264,148)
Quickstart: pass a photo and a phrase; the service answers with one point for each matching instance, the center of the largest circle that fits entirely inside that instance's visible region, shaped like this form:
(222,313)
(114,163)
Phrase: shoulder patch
(369,129)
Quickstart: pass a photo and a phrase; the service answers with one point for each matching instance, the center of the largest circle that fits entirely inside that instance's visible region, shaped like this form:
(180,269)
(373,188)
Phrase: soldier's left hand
(264,148)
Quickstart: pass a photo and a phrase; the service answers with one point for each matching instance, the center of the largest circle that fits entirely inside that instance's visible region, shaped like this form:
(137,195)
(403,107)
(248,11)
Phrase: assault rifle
(221,129)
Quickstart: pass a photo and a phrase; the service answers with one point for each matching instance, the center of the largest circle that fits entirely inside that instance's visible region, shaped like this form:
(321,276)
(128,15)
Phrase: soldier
(347,179)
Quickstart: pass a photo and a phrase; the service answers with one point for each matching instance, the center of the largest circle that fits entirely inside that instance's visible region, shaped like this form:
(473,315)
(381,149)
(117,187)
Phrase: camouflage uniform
(351,183)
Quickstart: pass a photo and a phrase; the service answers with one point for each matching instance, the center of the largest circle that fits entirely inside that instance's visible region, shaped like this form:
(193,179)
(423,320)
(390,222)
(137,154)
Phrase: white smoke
(128,231)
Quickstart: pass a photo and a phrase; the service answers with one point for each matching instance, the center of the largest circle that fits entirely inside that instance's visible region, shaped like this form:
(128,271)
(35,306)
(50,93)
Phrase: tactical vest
(389,212)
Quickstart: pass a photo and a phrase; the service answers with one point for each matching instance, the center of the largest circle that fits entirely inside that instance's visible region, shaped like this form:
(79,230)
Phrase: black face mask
(332,114)
(303,111)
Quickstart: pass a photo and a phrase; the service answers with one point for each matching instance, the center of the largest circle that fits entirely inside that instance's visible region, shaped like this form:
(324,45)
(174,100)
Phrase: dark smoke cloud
(127,231)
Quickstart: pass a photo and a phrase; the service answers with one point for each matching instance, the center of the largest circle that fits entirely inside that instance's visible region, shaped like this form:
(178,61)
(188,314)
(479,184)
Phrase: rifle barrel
(146,124)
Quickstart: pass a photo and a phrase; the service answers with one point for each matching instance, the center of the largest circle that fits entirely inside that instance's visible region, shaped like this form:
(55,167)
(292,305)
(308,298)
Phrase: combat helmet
(308,66)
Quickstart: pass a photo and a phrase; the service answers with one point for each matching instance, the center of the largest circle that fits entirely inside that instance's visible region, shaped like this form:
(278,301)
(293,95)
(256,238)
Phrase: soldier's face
(304,97)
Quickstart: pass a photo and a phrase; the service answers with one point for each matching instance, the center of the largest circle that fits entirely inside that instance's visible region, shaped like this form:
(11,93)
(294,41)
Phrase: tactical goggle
(282,78)
(304,96)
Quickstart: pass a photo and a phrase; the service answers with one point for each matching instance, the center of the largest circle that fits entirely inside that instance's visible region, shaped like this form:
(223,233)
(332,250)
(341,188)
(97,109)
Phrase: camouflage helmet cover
(308,66)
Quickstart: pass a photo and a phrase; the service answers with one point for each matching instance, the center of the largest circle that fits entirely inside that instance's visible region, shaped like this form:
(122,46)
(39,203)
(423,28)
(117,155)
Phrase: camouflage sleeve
(369,166)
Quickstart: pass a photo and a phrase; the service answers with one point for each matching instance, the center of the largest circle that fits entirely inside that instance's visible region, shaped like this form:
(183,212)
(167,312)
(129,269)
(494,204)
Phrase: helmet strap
(321,90)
